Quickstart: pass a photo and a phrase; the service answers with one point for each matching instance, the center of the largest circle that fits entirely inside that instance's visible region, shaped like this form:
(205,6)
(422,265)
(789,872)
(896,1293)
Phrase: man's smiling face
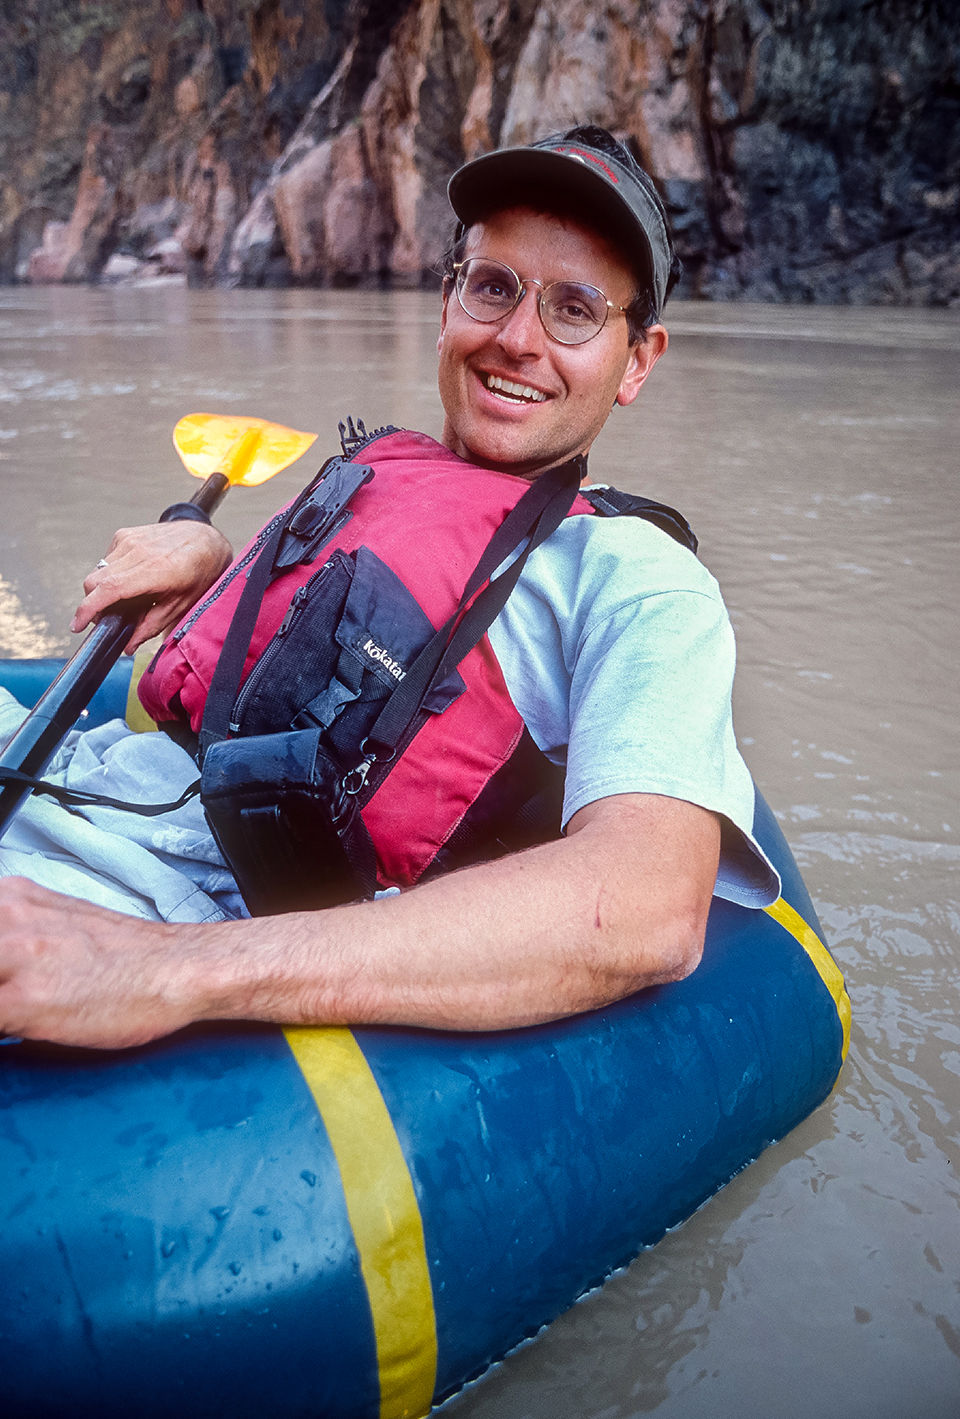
(487,369)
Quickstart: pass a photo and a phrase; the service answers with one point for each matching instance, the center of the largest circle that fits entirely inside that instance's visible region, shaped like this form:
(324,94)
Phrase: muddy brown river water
(815,451)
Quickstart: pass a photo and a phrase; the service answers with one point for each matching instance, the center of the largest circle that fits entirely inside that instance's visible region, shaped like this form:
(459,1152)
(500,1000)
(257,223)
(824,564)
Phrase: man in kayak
(626,679)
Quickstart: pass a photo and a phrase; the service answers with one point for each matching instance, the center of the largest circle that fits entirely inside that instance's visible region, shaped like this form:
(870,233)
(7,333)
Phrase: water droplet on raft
(168,1248)
(221,1213)
(236,1267)
(309,1177)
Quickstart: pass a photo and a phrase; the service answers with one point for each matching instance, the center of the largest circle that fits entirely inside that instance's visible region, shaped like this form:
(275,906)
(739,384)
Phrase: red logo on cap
(591,158)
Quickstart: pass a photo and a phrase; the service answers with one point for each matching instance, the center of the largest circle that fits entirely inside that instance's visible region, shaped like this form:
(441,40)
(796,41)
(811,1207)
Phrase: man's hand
(81,975)
(172,563)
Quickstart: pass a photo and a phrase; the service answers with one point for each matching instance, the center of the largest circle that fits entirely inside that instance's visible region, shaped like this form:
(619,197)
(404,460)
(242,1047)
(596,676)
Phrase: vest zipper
(262,664)
(360,442)
(221,587)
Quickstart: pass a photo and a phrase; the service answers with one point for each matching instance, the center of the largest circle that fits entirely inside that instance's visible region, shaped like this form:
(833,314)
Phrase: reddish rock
(805,152)
(48,261)
(328,211)
(79,249)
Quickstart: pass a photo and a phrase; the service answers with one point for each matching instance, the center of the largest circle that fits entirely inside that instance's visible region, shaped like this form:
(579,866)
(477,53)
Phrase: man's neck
(529,472)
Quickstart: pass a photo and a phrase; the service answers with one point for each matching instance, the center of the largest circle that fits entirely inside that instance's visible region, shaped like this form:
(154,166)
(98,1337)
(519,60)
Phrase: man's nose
(521,335)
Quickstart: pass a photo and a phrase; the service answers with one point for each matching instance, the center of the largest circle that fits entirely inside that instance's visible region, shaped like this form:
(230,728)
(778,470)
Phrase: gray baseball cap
(589,168)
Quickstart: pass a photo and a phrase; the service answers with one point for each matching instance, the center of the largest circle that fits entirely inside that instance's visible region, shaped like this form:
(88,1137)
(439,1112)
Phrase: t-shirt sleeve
(619,655)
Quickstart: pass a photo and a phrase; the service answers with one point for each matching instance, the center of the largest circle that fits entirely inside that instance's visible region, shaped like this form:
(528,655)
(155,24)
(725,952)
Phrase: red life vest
(428,515)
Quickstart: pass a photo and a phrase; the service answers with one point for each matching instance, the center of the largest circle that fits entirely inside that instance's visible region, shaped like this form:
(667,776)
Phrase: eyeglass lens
(570,311)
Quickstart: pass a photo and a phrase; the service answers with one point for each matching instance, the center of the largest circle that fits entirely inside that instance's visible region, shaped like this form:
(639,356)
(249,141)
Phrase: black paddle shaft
(55,713)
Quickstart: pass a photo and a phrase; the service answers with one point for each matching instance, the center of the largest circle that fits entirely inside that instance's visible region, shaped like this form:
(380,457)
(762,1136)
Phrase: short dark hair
(642,310)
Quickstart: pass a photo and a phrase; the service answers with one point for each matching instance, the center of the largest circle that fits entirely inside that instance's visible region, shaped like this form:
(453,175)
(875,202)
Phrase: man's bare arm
(619,904)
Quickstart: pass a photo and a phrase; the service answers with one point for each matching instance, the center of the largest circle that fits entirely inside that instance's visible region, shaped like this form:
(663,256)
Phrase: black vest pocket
(345,644)
(384,630)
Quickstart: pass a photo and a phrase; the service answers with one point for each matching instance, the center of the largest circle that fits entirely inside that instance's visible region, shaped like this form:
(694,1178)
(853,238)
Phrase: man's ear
(642,358)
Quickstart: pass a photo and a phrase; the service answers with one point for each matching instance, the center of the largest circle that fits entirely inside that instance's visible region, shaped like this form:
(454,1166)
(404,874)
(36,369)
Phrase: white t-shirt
(618,652)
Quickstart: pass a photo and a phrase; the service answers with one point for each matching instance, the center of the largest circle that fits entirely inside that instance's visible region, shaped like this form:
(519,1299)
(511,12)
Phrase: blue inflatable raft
(245,1221)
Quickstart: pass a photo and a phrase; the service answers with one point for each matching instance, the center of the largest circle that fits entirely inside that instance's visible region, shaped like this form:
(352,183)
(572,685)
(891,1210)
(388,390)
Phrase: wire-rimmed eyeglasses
(571,312)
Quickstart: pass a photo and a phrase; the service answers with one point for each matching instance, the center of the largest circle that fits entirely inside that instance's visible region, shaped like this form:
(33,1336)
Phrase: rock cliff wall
(807,149)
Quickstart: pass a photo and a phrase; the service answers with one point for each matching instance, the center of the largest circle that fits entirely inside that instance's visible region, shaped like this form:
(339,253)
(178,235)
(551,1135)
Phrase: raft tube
(246,1221)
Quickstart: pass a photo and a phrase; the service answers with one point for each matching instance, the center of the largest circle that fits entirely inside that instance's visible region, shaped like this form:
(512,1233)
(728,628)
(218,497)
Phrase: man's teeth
(519,391)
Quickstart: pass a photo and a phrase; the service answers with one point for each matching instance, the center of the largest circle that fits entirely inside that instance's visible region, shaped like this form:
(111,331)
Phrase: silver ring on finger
(101,564)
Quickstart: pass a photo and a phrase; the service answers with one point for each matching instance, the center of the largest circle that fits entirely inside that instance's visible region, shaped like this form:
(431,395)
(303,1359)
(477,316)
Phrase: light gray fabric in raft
(166,868)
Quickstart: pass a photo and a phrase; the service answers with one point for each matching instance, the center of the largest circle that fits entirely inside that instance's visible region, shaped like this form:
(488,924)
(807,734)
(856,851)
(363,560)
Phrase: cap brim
(525,176)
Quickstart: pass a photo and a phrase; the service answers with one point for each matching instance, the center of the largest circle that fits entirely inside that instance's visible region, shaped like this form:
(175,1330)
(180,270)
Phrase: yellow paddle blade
(247,451)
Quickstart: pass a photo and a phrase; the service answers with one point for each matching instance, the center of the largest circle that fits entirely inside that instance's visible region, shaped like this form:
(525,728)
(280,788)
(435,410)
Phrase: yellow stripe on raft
(384,1215)
(827,967)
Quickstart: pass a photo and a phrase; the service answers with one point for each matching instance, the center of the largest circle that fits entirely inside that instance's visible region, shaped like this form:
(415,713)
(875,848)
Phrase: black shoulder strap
(610,502)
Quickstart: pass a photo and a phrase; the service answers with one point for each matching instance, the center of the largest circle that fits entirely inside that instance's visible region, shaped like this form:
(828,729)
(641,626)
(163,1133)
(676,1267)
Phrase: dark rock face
(849,168)
(808,150)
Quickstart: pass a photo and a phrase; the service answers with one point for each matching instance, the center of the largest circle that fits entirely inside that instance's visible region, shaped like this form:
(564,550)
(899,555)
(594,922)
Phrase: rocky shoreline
(808,150)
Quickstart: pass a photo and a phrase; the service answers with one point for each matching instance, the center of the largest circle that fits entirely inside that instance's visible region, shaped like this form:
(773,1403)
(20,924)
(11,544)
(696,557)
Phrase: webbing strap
(611,502)
(75,798)
(236,643)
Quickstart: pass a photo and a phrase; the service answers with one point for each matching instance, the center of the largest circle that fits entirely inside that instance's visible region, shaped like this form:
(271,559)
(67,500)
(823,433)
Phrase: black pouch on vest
(294,839)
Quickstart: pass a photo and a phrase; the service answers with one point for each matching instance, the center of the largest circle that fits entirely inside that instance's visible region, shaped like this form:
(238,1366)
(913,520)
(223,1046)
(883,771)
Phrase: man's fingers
(115,555)
(83,615)
(102,587)
(79,974)
(122,580)
(160,619)
(173,563)
(107,591)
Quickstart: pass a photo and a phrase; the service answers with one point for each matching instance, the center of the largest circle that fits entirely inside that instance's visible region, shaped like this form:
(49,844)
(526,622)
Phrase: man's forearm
(619,904)
(562,928)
